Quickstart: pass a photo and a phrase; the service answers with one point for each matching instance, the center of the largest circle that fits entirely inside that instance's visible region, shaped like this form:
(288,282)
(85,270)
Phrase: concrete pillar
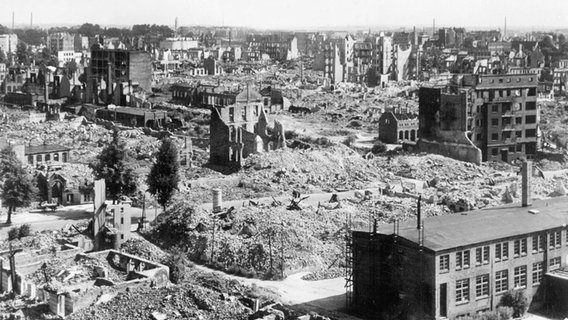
(526,183)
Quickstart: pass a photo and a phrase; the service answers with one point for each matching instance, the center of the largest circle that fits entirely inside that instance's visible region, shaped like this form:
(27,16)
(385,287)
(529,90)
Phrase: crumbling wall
(453,144)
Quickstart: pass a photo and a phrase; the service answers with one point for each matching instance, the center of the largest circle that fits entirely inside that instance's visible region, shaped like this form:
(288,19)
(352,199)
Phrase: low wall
(452,144)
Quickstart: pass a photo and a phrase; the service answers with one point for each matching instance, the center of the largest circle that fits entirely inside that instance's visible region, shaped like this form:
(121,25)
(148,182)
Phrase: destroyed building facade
(240,130)
(398,126)
(111,72)
(481,118)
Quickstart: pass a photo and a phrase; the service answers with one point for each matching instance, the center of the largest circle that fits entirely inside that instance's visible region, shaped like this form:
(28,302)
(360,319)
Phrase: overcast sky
(296,14)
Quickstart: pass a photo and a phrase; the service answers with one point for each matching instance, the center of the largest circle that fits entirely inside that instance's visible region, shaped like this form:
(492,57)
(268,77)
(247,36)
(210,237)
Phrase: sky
(291,14)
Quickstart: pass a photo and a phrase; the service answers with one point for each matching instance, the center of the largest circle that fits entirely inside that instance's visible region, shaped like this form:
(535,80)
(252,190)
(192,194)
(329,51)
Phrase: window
(520,248)
(554,239)
(530,119)
(519,133)
(462,260)
(519,147)
(520,277)
(519,120)
(494,108)
(482,255)
(554,263)
(444,263)
(537,243)
(501,281)
(232,114)
(494,136)
(530,133)
(502,251)
(495,122)
(537,273)
(462,291)
(482,286)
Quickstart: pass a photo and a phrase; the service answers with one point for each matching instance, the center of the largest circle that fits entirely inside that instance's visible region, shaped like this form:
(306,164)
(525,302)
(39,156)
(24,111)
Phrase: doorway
(443,300)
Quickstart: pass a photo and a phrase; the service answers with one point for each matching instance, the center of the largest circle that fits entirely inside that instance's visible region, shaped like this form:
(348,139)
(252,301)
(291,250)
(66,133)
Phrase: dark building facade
(109,69)
(396,127)
(481,117)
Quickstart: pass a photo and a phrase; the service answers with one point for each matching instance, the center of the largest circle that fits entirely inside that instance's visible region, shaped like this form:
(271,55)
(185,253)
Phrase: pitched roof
(45,148)
(479,226)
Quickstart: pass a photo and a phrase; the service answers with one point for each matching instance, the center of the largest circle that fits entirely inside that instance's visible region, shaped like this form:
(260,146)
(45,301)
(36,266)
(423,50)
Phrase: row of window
(529,119)
(520,248)
(520,280)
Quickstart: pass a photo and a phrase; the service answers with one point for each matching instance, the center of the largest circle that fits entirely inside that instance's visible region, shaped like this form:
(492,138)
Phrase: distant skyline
(292,14)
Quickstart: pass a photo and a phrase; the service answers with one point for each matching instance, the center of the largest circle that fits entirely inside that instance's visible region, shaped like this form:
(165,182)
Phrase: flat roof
(479,226)
(45,148)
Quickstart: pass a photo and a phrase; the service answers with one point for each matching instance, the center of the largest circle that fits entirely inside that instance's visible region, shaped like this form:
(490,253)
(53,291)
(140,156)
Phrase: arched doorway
(412,135)
(57,192)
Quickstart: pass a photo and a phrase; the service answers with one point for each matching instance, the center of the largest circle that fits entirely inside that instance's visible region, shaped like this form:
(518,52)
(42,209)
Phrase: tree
(112,165)
(22,53)
(164,175)
(515,299)
(71,67)
(18,189)
(2,56)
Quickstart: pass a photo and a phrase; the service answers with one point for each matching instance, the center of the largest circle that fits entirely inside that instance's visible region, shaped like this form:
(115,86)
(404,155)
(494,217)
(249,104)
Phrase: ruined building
(333,69)
(113,75)
(480,118)
(397,126)
(239,130)
(450,266)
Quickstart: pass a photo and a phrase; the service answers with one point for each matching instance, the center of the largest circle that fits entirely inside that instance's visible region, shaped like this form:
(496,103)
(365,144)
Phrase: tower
(505,29)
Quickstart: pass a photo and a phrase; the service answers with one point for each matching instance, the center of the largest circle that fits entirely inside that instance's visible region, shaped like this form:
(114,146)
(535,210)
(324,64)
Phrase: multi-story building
(450,266)
(115,68)
(60,41)
(481,117)
(277,47)
(333,69)
(8,42)
(396,126)
(362,61)
(560,79)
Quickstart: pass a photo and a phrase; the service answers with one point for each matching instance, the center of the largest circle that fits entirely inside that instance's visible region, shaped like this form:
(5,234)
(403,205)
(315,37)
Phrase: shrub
(379,147)
(13,233)
(349,140)
(505,313)
(355,124)
(178,265)
(25,230)
(516,300)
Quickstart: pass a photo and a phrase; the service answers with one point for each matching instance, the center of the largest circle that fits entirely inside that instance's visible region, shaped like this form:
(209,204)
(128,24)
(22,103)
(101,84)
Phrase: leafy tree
(71,67)
(18,190)
(164,175)
(89,29)
(112,165)
(22,53)
(8,162)
(515,299)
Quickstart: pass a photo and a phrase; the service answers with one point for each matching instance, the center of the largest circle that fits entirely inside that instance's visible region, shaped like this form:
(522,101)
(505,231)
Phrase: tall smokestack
(419,214)
(433,27)
(505,30)
(526,183)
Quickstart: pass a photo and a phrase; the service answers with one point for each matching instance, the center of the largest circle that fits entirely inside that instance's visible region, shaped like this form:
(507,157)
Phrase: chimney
(217,202)
(419,214)
(526,183)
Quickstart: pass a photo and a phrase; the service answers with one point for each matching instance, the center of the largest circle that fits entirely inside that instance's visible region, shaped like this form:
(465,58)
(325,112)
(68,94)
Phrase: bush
(379,147)
(25,230)
(13,233)
(19,232)
(505,313)
(516,300)
(349,140)
(355,124)
(178,265)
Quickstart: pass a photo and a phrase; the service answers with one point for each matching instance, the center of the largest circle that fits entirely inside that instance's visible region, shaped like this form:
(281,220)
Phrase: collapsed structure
(480,118)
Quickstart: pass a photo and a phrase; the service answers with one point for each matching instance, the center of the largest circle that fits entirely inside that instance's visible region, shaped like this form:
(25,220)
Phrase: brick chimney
(526,172)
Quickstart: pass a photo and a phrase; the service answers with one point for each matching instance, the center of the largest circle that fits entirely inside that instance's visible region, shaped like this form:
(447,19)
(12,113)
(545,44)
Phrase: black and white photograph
(284,160)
